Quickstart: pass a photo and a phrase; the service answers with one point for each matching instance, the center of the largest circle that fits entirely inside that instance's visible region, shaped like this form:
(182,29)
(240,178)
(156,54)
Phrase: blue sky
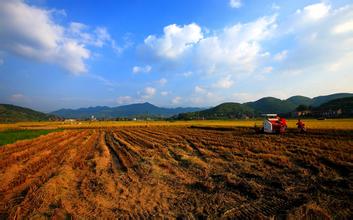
(69,54)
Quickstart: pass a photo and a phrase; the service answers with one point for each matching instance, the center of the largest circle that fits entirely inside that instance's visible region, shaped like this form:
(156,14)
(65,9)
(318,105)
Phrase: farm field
(178,171)
(345,124)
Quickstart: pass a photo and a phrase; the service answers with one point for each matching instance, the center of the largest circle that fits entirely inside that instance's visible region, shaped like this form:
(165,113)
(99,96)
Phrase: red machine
(273,124)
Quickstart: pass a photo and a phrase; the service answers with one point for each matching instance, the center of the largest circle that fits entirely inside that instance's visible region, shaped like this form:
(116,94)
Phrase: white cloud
(175,41)
(176,100)
(268,69)
(17,97)
(344,27)
(237,48)
(199,89)
(149,92)
(141,69)
(224,83)
(99,37)
(124,100)
(315,12)
(207,98)
(162,81)
(164,93)
(320,49)
(32,32)
(186,74)
(281,55)
(235,3)
(275,7)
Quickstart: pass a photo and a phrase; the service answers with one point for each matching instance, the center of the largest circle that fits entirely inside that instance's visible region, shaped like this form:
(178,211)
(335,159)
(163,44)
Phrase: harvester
(272,124)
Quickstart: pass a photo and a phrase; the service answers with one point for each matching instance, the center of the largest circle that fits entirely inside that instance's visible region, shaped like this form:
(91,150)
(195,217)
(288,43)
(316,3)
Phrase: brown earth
(178,172)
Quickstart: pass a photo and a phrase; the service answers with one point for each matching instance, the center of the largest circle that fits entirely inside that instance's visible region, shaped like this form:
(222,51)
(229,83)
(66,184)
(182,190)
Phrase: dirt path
(170,172)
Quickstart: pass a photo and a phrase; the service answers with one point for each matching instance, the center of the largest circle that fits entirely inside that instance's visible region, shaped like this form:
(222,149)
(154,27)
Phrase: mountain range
(12,113)
(134,110)
(261,106)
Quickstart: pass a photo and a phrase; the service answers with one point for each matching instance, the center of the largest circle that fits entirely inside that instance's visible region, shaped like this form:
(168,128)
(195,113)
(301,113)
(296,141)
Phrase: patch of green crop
(11,136)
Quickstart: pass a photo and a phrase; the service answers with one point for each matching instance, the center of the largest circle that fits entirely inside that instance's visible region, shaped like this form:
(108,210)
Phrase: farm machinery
(272,124)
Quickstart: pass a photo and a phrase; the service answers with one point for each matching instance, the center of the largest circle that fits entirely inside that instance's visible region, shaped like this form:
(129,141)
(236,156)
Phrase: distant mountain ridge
(13,113)
(132,110)
(343,101)
(264,105)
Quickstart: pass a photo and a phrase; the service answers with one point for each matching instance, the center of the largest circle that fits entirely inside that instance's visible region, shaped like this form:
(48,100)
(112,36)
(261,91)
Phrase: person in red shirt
(283,122)
(300,126)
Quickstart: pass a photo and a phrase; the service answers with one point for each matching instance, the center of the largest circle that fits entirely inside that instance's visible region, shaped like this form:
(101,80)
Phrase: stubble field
(178,171)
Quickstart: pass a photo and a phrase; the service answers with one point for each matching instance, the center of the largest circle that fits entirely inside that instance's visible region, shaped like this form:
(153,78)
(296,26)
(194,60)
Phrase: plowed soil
(178,172)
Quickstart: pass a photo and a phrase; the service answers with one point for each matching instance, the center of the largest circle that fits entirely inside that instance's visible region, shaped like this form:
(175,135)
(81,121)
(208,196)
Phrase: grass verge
(12,135)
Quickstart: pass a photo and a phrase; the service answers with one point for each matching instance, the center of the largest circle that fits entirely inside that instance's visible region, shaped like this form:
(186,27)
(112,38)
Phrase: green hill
(300,100)
(271,105)
(344,104)
(317,101)
(268,105)
(223,111)
(13,113)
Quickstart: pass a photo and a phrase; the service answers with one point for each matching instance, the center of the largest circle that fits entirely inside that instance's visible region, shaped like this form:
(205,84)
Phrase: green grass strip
(11,136)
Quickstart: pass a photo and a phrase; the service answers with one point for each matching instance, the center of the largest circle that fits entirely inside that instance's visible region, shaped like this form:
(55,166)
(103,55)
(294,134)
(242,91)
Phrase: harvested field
(155,172)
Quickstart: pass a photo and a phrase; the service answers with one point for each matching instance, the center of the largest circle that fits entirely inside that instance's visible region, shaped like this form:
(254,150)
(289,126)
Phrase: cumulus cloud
(148,93)
(32,32)
(17,97)
(199,89)
(267,69)
(275,7)
(162,81)
(164,93)
(98,37)
(343,28)
(320,48)
(206,98)
(175,41)
(176,100)
(330,46)
(314,12)
(235,3)
(186,74)
(124,100)
(141,69)
(224,83)
(237,48)
(214,57)
(281,55)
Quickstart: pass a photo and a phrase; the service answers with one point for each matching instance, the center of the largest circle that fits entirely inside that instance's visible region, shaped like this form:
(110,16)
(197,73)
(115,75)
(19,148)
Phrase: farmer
(283,125)
(283,122)
(301,126)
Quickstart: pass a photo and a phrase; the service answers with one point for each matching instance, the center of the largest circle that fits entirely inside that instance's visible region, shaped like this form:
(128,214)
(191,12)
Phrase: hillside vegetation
(12,113)
(274,105)
(344,104)
(222,111)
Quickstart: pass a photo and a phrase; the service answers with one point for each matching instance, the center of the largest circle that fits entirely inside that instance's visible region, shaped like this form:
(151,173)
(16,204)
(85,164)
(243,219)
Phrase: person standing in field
(283,125)
(301,126)
(283,122)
